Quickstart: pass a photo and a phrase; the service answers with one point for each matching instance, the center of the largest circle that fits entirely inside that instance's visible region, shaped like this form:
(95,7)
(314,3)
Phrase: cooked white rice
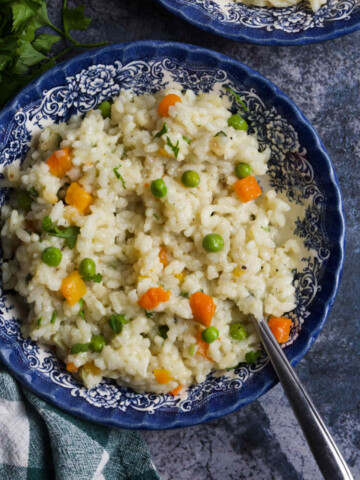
(126,228)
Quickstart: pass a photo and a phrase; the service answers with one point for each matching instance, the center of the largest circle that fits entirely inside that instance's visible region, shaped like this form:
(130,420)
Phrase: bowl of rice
(154,196)
(271,22)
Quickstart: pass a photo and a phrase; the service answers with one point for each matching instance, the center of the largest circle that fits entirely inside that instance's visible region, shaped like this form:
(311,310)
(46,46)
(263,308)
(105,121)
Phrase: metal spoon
(328,457)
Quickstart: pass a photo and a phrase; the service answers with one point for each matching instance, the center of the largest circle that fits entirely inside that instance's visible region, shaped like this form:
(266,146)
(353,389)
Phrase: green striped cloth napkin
(40,442)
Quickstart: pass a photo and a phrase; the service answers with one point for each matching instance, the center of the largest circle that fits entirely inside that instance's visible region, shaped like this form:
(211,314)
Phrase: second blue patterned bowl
(294,25)
(299,169)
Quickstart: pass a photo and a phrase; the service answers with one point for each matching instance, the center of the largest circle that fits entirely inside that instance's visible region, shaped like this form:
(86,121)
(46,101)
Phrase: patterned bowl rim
(201,19)
(53,393)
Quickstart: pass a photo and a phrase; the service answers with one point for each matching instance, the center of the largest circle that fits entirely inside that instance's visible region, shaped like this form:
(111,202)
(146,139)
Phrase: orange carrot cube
(203,347)
(166,103)
(153,297)
(78,197)
(162,376)
(247,189)
(280,327)
(176,390)
(70,367)
(73,288)
(60,162)
(203,308)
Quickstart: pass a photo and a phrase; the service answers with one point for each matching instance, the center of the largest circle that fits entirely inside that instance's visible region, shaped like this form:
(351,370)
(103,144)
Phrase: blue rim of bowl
(227,402)
(240,33)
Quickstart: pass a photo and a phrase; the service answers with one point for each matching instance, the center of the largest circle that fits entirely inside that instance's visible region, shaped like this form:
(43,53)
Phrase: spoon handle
(328,457)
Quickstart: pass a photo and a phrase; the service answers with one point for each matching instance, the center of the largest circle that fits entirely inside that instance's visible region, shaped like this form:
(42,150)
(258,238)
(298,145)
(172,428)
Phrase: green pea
(51,256)
(237,331)
(190,179)
(117,321)
(158,188)
(80,348)
(105,109)
(243,170)
(251,356)
(87,267)
(237,122)
(24,200)
(213,242)
(163,329)
(209,335)
(97,343)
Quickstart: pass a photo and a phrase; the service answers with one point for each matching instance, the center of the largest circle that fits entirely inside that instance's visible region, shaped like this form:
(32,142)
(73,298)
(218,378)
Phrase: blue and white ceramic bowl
(295,25)
(300,169)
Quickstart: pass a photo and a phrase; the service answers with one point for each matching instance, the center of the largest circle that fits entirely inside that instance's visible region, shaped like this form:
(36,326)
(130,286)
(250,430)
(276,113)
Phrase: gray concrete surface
(263,441)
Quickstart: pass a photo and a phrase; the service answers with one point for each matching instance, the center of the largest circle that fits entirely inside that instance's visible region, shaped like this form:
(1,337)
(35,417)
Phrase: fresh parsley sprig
(24,52)
(70,233)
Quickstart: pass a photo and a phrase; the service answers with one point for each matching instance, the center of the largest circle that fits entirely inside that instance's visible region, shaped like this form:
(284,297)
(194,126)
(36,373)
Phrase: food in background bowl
(315,4)
(141,239)
(293,23)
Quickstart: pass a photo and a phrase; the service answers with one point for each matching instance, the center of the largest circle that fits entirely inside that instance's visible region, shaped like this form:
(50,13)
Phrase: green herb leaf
(163,130)
(174,148)
(93,278)
(69,233)
(81,311)
(33,192)
(46,224)
(118,176)
(149,314)
(79,348)
(24,53)
(252,356)
(38,322)
(156,216)
(187,139)
(163,329)
(27,57)
(45,41)
(117,322)
(220,134)
(21,13)
(4,60)
(74,18)
(191,349)
(237,98)
(53,316)
(266,229)
(184,294)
